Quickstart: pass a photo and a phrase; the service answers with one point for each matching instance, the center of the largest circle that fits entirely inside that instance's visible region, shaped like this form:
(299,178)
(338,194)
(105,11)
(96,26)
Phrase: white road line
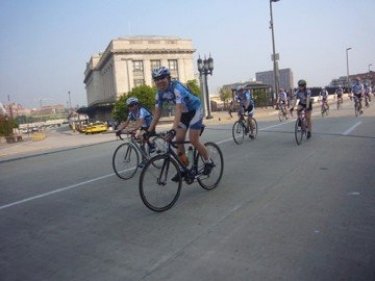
(54,192)
(348,131)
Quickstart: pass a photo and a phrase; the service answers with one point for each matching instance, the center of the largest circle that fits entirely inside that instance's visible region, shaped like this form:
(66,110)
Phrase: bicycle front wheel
(238,132)
(125,161)
(213,179)
(281,115)
(298,132)
(160,188)
(254,126)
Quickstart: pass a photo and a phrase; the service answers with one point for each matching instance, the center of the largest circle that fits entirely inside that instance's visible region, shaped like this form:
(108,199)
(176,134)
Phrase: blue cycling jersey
(141,113)
(357,88)
(178,94)
(243,97)
(303,95)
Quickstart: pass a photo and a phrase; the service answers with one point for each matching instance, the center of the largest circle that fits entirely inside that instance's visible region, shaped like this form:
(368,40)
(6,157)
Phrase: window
(155,63)
(137,65)
(172,65)
(139,82)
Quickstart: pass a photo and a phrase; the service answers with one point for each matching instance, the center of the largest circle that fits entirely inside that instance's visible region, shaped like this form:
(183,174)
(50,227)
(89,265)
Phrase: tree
(225,95)
(144,93)
(193,86)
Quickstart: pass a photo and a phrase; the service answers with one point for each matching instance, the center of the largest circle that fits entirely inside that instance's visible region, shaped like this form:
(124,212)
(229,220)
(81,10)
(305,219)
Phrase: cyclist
(323,96)
(282,100)
(142,119)
(367,93)
(246,100)
(339,93)
(358,91)
(304,96)
(189,113)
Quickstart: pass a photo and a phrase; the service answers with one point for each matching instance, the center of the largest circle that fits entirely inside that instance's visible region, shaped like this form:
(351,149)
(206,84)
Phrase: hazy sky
(45,44)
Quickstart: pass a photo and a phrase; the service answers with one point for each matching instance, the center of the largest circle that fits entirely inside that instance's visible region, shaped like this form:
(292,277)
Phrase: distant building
(127,63)
(286,79)
(367,78)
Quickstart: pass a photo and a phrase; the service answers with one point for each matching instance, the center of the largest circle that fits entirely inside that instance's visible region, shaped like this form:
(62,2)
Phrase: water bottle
(190,155)
(183,158)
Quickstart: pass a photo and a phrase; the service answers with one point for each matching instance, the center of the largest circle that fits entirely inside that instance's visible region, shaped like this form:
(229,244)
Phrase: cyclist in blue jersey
(282,101)
(323,96)
(358,92)
(141,121)
(246,100)
(304,95)
(188,115)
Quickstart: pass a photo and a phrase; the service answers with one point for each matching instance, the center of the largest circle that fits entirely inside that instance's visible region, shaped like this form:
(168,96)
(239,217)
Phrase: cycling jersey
(243,97)
(303,96)
(282,97)
(141,113)
(357,89)
(178,94)
(324,94)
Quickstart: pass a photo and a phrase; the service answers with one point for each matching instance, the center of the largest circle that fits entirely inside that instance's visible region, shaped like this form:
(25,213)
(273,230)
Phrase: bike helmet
(240,87)
(160,72)
(301,83)
(131,101)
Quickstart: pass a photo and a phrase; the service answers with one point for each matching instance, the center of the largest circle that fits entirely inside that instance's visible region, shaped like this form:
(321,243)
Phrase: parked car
(92,128)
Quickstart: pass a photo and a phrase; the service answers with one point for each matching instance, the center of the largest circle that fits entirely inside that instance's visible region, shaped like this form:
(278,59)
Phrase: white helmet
(161,71)
(132,100)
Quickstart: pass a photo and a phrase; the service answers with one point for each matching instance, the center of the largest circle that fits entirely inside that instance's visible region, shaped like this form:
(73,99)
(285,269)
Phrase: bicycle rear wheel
(238,132)
(282,116)
(213,179)
(125,161)
(157,189)
(298,131)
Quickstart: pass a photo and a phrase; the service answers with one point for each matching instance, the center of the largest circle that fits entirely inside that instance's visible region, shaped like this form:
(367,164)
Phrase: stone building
(127,63)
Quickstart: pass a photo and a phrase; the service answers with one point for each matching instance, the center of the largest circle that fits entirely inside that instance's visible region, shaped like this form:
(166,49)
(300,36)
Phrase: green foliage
(193,86)
(6,126)
(144,93)
(225,95)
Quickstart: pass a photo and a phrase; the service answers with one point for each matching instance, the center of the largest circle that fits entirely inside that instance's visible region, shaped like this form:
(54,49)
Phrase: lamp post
(369,67)
(275,57)
(70,103)
(205,68)
(347,68)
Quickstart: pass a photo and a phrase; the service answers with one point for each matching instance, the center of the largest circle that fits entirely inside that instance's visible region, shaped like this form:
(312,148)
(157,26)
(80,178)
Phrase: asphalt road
(281,212)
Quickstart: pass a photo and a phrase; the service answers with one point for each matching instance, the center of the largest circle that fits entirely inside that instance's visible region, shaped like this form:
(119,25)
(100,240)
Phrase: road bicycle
(241,128)
(160,188)
(300,128)
(357,106)
(283,114)
(339,103)
(128,155)
(324,108)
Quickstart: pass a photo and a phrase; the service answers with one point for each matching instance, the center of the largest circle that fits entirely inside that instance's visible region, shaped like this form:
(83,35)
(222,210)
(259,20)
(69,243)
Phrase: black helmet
(301,83)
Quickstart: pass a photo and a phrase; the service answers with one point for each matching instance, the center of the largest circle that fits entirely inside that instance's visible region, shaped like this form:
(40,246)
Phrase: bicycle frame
(137,146)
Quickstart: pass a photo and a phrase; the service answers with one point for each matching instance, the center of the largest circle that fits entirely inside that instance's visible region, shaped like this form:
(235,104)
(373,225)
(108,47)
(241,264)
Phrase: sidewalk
(57,141)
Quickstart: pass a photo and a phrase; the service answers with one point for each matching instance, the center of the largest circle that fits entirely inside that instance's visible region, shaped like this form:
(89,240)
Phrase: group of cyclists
(189,112)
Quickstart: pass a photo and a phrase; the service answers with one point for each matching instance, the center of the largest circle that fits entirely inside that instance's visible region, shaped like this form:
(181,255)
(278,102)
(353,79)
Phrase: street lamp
(274,57)
(347,68)
(70,103)
(205,68)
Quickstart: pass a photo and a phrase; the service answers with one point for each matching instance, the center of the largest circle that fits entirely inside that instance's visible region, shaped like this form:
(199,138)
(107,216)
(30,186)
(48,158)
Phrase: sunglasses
(160,78)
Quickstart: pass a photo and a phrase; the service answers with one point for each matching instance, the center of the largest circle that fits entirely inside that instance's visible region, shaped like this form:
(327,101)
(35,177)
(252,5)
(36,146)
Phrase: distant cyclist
(282,100)
(141,120)
(246,101)
(304,95)
(367,94)
(323,96)
(339,92)
(358,92)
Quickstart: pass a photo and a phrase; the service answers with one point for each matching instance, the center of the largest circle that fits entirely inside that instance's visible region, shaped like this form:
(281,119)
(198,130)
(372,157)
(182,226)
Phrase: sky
(45,44)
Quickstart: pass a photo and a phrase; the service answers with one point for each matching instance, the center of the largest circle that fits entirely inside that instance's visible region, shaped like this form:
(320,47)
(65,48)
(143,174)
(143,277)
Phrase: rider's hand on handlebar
(170,135)
(118,133)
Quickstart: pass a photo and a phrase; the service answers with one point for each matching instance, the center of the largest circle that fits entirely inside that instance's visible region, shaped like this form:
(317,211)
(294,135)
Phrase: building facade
(127,63)
(286,79)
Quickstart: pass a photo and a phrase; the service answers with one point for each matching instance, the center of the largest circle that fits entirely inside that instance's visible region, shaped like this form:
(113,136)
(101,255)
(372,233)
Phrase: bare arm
(155,120)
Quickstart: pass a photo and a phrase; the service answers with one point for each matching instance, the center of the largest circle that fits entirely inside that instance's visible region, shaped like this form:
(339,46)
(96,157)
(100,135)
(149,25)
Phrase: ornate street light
(205,68)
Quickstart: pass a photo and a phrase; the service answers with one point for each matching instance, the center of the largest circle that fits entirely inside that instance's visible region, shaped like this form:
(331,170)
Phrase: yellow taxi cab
(97,127)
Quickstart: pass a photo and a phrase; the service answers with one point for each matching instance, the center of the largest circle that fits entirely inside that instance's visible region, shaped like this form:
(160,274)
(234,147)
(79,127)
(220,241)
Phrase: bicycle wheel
(125,161)
(213,179)
(238,132)
(160,148)
(356,109)
(282,114)
(158,192)
(255,128)
(298,132)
